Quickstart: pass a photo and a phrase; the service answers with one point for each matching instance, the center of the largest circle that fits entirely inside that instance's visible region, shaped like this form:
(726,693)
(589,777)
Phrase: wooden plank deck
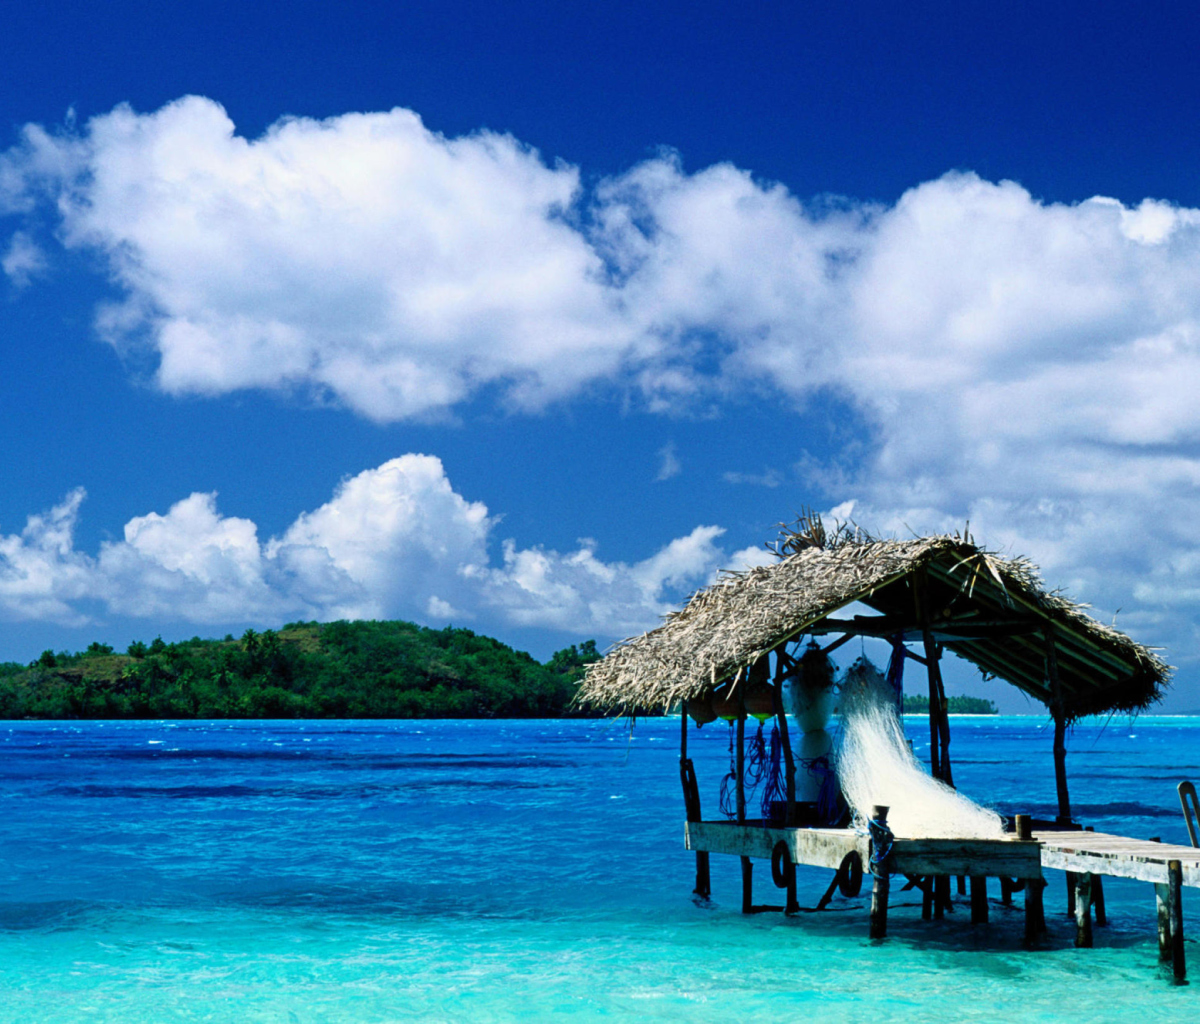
(1099,853)
(825,848)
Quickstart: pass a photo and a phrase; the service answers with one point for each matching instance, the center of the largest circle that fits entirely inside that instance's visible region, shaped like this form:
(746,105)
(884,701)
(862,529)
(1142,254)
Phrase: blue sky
(532,317)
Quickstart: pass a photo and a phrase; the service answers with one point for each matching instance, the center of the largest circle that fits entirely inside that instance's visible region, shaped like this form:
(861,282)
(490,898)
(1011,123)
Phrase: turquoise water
(479,871)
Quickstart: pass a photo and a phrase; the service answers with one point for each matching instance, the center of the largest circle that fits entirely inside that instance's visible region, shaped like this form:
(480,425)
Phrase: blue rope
(757,759)
(728,800)
(882,841)
(774,789)
(829,798)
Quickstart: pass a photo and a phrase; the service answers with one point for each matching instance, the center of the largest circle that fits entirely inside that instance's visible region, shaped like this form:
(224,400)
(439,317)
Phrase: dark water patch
(1116,809)
(296,792)
(156,792)
(47,915)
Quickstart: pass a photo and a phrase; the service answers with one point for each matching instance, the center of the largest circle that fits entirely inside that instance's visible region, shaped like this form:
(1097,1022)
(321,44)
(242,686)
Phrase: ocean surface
(527,870)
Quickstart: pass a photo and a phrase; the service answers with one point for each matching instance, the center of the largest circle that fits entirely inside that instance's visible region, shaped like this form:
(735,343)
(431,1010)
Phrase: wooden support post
(882,882)
(1071,883)
(691,803)
(741,756)
(789,819)
(941,897)
(1035,908)
(979,904)
(1162,900)
(927,899)
(1033,922)
(788,760)
(1098,894)
(1083,911)
(747,866)
(962,885)
(1006,891)
(1175,897)
(921,600)
(1058,713)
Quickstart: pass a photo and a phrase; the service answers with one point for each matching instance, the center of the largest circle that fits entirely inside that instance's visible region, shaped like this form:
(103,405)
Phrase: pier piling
(1083,910)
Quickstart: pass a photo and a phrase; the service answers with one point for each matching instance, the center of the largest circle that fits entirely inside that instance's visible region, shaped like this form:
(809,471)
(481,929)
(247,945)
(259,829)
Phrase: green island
(362,669)
(917,705)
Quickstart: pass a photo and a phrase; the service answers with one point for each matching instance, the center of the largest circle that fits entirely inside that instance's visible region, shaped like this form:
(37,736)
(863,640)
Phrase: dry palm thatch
(990,610)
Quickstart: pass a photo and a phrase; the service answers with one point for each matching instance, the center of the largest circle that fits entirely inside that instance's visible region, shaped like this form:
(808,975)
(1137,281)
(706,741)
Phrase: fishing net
(876,766)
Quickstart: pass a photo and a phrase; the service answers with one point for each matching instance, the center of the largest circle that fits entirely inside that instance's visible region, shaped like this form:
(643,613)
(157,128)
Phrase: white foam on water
(876,766)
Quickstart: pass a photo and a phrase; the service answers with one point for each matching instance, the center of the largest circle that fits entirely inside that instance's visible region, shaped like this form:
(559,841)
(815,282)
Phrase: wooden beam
(1060,727)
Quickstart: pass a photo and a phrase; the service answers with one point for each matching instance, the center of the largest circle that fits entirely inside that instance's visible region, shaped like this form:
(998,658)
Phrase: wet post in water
(880,834)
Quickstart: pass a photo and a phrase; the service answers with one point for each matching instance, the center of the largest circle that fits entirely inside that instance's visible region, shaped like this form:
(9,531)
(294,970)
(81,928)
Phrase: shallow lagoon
(380,871)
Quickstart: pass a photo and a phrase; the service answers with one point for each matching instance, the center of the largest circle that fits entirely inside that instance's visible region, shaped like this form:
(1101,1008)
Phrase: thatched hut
(941,593)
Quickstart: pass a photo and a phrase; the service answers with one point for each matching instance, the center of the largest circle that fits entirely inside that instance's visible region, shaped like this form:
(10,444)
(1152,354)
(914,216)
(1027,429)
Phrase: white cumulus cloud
(394,541)
(1031,366)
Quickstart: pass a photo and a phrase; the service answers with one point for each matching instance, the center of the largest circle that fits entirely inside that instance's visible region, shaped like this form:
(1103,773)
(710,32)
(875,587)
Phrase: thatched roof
(990,610)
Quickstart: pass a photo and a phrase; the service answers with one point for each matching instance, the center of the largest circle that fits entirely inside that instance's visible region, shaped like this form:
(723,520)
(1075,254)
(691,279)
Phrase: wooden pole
(1175,896)
(747,866)
(789,761)
(881,884)
(979,906)
(1033,921)
(1058,712)
(927,899)
(1162,900)
(691,803)
(939,719)
(1035,908)
(941,896)
(1098,894)
(1083,911)
(921,598)
(789,819)
(1071,882)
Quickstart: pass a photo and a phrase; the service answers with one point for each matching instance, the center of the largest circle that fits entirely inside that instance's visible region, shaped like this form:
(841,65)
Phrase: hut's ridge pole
(1060,727)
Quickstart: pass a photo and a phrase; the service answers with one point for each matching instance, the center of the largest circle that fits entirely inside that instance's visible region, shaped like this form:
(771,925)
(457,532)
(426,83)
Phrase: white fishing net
(876,766)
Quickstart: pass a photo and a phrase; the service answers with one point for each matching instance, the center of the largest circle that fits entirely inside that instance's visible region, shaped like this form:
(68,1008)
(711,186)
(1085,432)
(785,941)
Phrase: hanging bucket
(760,701)
(726,706)
(701,710)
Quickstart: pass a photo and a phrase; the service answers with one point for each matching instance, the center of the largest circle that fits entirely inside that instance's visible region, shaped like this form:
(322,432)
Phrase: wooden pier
(1084,855)
(977,859)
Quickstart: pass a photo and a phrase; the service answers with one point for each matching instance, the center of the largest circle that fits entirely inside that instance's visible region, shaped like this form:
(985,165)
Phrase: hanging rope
(774,790)
(728,800)
(830,806)
(882,841)
(757,760)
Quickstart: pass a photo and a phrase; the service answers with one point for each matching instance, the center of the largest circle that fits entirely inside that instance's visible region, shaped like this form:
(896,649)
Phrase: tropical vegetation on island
(916,705)
(363,669)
